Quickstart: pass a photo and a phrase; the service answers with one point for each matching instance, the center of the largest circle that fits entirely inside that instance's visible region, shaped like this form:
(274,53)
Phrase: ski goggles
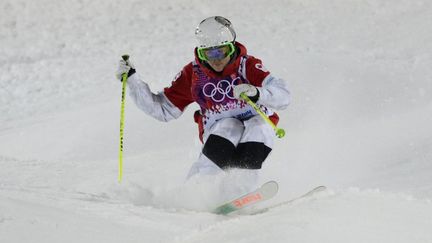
(216,53)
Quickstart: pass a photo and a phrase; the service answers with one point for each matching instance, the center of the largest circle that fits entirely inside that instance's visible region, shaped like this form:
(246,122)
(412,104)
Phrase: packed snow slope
(359,123)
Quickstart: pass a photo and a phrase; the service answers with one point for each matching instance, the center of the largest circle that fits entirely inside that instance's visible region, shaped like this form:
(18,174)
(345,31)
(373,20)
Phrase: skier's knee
(219,150)
(251,155)
(248,155)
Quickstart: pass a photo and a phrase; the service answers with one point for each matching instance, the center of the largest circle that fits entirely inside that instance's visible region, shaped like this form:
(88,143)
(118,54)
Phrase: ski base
(265,192)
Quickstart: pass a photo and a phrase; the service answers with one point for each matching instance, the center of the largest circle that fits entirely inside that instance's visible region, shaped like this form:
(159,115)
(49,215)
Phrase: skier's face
(217,57)
(219,65)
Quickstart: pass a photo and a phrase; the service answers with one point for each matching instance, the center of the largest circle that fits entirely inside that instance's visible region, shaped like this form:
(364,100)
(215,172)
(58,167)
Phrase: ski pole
(280,133)
(124,80)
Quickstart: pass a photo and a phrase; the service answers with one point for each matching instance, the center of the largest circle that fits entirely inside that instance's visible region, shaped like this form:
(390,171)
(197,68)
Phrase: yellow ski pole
(280,133)
(124,80)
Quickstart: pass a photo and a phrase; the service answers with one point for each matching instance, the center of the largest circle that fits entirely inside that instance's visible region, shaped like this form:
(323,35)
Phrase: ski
(265,192)
(310,193)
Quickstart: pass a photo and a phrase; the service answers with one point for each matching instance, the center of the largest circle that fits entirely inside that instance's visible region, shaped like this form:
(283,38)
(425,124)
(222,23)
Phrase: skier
(232,132)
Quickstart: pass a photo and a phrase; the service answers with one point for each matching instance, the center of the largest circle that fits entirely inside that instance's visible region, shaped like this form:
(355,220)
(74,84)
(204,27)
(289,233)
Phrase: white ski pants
(238,132)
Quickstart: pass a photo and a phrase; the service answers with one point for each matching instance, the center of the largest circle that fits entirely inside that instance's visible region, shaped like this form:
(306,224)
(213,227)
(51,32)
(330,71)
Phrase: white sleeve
(274,93)
(155,105)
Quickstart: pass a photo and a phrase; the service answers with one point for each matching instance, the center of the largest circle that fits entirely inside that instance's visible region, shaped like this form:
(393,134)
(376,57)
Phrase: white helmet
(214,31)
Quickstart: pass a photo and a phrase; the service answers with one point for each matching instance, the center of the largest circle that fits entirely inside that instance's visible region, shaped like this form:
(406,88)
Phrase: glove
(125,67)
(249,90)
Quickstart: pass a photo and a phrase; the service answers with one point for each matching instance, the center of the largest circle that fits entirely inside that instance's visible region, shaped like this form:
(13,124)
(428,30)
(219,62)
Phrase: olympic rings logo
(218,92)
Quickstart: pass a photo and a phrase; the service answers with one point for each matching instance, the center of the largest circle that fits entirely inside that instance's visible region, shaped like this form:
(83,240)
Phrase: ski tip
(269,189)
(271,183)
(320,188)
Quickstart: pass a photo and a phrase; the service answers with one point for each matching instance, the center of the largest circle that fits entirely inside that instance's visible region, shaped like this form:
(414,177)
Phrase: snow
(359,123)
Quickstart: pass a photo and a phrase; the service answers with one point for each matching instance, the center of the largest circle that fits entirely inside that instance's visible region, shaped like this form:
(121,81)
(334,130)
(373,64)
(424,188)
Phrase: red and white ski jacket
(213,92)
